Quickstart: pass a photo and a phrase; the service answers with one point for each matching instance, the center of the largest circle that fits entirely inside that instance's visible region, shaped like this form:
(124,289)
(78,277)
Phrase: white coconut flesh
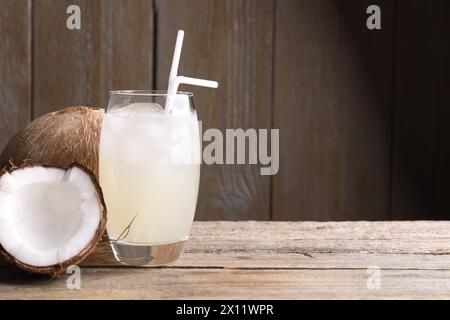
(47,215)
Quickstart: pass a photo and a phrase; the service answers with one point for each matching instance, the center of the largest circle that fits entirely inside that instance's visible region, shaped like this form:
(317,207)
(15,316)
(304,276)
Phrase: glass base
(143,255)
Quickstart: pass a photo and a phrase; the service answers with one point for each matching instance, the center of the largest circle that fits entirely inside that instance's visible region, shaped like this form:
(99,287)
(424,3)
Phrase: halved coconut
(50,218)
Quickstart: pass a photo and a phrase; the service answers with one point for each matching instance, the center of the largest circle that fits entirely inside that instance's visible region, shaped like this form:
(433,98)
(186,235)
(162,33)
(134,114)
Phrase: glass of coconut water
(149,174)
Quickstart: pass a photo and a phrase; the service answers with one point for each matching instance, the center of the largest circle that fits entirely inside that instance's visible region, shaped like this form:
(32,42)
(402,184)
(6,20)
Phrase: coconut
(58,139)
(50,217)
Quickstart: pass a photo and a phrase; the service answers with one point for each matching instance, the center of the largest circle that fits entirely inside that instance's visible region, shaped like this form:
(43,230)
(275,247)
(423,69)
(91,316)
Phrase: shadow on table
(12,276)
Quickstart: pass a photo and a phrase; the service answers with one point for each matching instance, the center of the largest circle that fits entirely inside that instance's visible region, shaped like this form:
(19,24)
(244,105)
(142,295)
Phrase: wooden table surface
(271,260)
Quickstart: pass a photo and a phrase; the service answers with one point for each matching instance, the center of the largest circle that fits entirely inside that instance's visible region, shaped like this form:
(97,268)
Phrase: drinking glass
(149,174)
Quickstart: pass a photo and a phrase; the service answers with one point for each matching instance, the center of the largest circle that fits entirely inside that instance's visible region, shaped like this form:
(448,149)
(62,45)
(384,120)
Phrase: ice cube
(141,108)
(113,125)
(138,109)
(153,130)
(180,105)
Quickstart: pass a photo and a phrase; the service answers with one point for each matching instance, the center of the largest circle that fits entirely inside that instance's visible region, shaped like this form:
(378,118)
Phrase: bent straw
(192,81)
(175,80)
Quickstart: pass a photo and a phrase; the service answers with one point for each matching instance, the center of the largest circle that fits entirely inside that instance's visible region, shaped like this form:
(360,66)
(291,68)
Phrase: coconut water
(149,173)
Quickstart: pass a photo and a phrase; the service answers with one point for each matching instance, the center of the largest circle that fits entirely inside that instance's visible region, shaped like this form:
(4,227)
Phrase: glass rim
(146,93)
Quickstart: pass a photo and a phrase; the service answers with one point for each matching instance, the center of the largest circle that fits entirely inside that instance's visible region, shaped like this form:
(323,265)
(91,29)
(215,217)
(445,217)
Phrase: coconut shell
(55,270)
(58,139)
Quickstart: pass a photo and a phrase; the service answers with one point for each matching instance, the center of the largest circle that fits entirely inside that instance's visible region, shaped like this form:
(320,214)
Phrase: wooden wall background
(364,116)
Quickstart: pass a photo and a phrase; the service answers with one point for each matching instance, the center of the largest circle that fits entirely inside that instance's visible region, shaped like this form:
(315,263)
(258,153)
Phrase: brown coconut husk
(58,139)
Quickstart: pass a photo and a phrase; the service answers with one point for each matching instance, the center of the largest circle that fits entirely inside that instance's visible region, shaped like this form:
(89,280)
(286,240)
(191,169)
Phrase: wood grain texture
(423,245)
(421,171)
(127,45)
(229,41)
(332,96)
(348,101)
(66,62)
(273,260)
(15,67)
(232,285)
(113,50)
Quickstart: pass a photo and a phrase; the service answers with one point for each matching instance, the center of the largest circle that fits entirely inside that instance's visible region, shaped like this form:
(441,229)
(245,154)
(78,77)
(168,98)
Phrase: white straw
(192,81)
(175,80)
(176,56)
(198,82)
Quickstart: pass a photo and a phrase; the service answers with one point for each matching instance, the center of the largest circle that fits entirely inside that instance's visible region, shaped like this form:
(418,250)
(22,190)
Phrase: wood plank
(393,245)
(421,174)
(78,67)
(15,68)
(316,245)
(273,260)
(229,41)
(127,45)
(332,96)
(66,62)
(231,284)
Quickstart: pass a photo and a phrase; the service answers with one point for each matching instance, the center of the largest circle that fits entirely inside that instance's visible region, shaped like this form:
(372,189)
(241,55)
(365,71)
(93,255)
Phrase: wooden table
(272,260)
